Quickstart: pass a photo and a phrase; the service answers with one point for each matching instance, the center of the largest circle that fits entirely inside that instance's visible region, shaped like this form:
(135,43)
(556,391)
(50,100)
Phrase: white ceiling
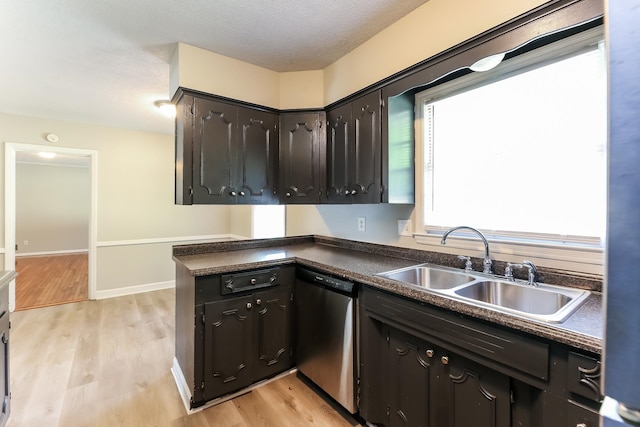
(105,62)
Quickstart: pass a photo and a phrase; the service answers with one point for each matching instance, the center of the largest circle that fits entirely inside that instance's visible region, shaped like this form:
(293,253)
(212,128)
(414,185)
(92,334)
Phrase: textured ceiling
(105,62)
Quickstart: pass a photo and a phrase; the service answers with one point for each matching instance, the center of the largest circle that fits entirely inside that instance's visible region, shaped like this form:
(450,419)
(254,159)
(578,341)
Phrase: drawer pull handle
(254,281)
(429,353)
(249,306)
(581,425)
(258,301)
(445,360)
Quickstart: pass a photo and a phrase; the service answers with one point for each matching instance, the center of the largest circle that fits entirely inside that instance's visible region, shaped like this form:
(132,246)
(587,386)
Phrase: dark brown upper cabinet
(225,153)
(354,168)
(302,157)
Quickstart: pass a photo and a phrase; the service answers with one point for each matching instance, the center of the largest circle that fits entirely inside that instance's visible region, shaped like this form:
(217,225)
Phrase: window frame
(573,253)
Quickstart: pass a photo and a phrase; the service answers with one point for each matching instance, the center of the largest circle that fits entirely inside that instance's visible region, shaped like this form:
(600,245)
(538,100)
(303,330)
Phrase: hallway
(51,280)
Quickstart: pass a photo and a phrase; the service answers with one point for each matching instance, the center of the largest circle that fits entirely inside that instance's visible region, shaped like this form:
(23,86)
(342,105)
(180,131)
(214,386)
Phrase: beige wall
(428,30)
(52,208)
(135,197)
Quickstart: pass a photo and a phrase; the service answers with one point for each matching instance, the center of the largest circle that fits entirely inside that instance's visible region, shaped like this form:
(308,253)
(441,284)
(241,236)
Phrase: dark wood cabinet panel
(257,176)
(416,383)
(215,155)
(366,178)
(354,151)
(246,339)
(273,332)
(410,376)
(476,395)
(301,157)
(339,145)
(228,346)
(226,153)
(232,330)
(469,372)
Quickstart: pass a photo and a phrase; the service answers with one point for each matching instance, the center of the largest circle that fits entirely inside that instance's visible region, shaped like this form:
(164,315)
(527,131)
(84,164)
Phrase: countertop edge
(288,256)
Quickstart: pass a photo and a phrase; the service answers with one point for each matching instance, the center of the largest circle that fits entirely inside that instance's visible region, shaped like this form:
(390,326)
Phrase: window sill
(583,259)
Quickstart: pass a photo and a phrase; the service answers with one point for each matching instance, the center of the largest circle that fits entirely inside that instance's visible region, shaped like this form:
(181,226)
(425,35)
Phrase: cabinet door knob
(233,194)
(258,301)
(242,193)
(429,353)
(581,425)
(445,360)
(288,194)
(253,281)
(249,306)
(354,192)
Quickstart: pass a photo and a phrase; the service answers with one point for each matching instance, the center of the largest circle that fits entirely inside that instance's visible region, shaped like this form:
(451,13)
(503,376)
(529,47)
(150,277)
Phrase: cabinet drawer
(581,416)
(246,281)
(466,336)
(583,376)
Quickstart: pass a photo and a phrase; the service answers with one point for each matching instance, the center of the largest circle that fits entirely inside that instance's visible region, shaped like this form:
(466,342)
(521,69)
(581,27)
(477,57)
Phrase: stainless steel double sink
(547,303)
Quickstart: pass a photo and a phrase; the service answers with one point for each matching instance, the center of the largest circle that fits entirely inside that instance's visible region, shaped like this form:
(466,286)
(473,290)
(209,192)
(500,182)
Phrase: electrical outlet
(404,227)
(25,243)
(362,223)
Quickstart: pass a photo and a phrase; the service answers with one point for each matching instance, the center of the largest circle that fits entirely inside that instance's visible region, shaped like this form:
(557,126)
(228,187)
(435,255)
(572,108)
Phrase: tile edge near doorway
(11,148)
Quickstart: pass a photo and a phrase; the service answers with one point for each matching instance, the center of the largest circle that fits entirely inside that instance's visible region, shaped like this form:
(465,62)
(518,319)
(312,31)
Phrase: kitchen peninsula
(543,381)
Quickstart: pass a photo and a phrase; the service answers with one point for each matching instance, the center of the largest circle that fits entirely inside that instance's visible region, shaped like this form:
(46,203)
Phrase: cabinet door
(364,164)
(228,346)
(410,379)
(273,331)
(472,395)
(215,157)
(301,151)
(258,157)
(339,147)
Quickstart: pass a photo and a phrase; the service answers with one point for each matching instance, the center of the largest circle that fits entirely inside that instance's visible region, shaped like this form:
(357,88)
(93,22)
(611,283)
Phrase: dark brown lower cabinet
(429,386)
(232,330)
(246,339)
(422,366)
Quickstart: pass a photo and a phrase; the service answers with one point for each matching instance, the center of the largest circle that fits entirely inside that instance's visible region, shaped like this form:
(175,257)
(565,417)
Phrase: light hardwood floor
(50,280)
(107,363)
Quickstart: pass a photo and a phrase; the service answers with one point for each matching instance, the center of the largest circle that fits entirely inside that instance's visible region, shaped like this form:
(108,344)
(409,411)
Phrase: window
(520,151)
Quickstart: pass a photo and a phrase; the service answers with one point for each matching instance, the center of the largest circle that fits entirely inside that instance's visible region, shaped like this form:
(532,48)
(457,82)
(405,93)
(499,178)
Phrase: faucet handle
(508,270)
(467,263)
(486,263)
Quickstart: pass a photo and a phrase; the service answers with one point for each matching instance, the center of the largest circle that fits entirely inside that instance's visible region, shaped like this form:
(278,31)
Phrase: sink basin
(547,303)
(428,277)
(544,302)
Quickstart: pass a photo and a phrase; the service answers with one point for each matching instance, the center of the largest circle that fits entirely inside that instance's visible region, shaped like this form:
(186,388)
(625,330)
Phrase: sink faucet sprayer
(487,261)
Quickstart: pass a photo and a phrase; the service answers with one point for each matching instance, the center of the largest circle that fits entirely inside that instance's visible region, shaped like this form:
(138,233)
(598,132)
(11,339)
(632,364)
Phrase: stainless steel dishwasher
(326,334)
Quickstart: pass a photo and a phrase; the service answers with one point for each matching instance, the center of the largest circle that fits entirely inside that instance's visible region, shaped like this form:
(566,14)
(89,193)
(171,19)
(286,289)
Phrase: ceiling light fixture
(166,108)
(488,63)
(47,154)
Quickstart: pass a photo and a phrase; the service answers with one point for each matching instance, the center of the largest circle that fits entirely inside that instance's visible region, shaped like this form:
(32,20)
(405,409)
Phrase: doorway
(49,260)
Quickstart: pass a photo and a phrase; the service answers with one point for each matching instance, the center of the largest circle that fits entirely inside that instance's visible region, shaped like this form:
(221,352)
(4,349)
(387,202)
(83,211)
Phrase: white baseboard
(130,290)
(181,383)
(68,252)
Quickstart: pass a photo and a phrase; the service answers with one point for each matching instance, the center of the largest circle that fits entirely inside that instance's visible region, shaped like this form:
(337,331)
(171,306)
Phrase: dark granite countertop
(361,262)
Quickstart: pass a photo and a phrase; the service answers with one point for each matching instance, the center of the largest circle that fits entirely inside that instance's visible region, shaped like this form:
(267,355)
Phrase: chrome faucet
(487,261)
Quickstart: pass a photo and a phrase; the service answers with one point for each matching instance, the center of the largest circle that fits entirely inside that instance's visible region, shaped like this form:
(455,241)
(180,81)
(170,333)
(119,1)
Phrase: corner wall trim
(131,290)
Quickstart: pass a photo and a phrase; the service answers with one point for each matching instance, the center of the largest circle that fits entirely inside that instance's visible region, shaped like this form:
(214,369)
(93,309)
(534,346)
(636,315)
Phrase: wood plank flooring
(107,363)
(50,280)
